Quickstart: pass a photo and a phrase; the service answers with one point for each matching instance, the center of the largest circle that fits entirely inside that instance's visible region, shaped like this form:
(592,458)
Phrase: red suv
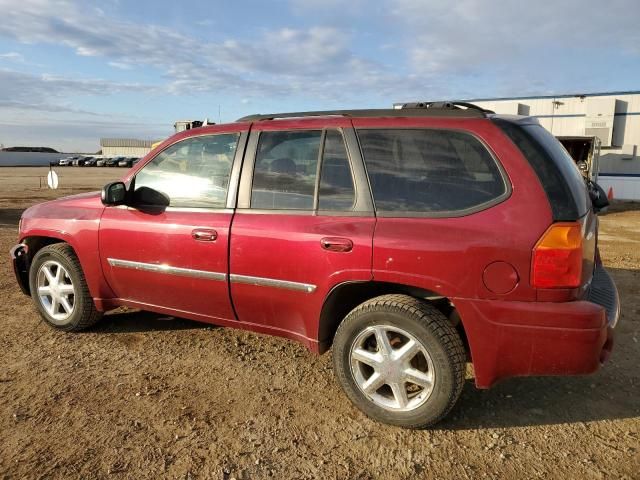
(411,240)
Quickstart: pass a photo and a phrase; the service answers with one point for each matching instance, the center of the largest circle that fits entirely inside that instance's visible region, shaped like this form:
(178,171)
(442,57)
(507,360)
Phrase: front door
(167,249)
(304,224)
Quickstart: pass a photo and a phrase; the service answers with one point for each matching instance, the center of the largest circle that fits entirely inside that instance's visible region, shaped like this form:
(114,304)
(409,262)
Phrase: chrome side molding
(188,272)
(272,282)
(159,268)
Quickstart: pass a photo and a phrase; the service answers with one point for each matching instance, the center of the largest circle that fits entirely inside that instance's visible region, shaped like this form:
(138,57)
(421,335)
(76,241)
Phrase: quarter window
(336,182)
(193,173)
(428,170)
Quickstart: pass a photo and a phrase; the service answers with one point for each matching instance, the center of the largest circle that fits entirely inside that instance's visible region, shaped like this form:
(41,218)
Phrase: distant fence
(29,159)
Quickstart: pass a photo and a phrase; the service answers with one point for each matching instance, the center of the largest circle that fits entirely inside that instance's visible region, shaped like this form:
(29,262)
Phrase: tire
(409,325)
(61,264)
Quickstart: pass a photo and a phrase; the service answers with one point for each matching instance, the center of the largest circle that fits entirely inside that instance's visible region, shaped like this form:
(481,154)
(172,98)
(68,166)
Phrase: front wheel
(59,290)
(400,361)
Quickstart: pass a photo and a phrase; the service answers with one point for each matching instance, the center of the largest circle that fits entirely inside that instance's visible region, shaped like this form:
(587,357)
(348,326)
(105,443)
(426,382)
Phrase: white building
(613,117)
(125,147)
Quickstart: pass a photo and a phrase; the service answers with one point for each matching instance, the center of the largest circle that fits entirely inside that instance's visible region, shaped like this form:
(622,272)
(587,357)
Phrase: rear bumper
(20,261)
(541,338)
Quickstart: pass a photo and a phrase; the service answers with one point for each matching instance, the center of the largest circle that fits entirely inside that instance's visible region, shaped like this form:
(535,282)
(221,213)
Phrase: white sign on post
(52,180)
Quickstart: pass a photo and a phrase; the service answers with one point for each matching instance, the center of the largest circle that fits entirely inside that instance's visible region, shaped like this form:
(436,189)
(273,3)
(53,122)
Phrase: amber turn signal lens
(557,257)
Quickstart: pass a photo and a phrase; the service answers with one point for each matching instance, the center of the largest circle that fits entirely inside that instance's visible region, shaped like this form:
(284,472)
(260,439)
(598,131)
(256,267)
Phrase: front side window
(193,173)
(429,170)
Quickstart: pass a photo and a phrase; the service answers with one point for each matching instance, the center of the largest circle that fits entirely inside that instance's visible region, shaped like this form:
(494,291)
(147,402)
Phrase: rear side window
(285,171)
(429,170)
(285,175)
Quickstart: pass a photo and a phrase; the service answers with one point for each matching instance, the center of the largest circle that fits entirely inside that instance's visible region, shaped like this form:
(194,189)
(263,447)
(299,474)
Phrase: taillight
(557,257)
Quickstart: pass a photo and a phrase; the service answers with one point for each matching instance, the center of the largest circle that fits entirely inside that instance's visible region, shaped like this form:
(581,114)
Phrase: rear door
(304,224)
(175,258)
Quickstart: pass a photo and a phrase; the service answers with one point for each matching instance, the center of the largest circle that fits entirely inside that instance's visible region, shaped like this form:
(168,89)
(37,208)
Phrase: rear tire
(59,290)
(422,356)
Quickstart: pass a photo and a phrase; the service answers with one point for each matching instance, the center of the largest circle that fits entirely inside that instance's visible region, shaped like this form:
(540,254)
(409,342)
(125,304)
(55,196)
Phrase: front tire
(59,290)
(400,361)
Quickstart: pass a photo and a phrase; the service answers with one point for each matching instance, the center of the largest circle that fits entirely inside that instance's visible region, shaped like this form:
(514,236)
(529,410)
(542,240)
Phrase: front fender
(84,242)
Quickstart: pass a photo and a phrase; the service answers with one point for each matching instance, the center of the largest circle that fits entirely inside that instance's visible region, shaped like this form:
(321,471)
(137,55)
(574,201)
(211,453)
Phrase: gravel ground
(146,396)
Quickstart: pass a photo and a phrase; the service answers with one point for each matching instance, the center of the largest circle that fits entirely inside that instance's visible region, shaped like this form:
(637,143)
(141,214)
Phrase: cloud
(12,56)
(284,61)
(49,93)
(323,53)
(120,65)
(474,35)
(25,86)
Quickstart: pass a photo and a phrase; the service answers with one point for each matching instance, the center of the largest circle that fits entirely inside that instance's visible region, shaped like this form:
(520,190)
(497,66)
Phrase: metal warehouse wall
(125,151)
(572,115)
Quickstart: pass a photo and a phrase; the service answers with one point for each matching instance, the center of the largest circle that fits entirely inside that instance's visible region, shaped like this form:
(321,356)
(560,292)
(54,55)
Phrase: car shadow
(9,217)
(618,206)
(610,394)
(526,402)
(138,321)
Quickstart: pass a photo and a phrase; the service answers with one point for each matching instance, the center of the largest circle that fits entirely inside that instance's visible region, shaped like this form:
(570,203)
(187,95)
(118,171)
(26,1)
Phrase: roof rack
(449,105)
(420,109)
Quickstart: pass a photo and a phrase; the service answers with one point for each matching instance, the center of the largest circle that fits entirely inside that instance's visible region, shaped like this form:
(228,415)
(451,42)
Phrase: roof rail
(449,105)
(432,109)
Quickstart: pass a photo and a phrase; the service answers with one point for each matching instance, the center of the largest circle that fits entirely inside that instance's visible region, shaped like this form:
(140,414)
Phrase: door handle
(204,234)
(336,244)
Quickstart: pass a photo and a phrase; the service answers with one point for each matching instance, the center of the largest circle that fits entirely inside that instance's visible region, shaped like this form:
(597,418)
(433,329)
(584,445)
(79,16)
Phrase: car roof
(373,113)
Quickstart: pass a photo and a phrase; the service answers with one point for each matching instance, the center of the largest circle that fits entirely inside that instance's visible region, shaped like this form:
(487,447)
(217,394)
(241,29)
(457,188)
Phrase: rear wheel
(400,361)
(59,290)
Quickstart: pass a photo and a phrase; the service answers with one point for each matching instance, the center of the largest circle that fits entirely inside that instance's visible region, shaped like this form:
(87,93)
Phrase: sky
(74,71)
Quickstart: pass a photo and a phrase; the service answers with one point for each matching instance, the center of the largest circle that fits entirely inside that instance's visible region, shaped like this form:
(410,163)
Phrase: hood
(84,206)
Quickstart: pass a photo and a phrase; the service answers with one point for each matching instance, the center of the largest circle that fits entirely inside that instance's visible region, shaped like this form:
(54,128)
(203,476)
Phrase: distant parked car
(135,160)
(113,162)
(127,162)
(102,162)
(67,161)
(90,162)
(80,161)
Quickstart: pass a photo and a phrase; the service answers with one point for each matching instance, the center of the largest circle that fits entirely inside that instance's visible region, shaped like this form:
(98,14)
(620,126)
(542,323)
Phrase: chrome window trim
(272,282)
(162,268)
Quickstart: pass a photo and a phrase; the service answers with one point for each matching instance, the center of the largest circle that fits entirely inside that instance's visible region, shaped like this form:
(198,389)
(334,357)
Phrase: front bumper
(20,261)
(541,338)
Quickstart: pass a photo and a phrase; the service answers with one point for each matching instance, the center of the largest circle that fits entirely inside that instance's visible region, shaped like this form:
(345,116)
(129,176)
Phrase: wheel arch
(345,296)
(33,244)
(36,240)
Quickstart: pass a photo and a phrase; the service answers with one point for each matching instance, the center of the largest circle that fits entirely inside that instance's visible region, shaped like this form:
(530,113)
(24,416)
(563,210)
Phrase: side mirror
(114,193)
(598,197)
(150,198)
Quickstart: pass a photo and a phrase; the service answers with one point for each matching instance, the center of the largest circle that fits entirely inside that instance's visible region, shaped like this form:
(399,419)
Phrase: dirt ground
(146,396)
